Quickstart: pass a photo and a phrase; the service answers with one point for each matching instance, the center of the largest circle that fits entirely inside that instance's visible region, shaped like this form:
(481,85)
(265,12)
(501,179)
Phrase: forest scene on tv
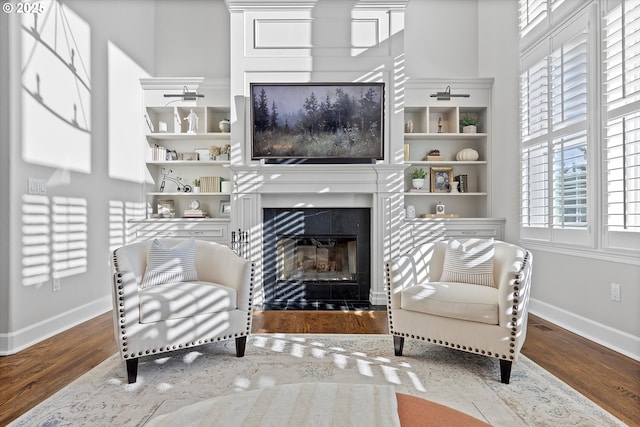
(317,121)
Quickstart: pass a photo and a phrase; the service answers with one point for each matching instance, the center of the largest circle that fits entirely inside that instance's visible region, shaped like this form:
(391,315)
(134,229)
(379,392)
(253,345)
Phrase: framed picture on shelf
(166,209)
(441,179)
(225,209)
(189,156)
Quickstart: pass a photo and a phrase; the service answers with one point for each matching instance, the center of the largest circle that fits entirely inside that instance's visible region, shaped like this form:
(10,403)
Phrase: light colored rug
(467,382)
(292,405)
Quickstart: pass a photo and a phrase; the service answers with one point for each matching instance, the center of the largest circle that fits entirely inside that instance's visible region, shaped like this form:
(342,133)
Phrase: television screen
(317,121)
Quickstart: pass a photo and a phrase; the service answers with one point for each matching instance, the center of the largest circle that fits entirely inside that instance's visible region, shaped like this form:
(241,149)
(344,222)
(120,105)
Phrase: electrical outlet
(56,284)
(615,292)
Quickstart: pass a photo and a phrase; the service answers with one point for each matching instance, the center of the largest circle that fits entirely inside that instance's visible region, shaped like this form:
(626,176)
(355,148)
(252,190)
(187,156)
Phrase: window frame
(545,50)
(609,245)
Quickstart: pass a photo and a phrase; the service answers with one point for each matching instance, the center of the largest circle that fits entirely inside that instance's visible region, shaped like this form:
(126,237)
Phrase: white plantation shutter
(570,181)
(554,133)
(532,13)
(535,186)
(569,83)
(534,101)
(621,66)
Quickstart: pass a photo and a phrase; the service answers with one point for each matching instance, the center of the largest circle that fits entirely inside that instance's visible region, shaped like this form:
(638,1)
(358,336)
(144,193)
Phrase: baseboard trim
(14,342)
(616,340)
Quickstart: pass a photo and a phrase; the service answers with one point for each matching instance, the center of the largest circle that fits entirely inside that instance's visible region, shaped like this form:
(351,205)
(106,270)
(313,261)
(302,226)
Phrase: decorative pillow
(471,262)
(170,265)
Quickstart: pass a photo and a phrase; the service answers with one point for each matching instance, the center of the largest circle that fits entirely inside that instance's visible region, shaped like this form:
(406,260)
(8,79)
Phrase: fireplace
(316,255)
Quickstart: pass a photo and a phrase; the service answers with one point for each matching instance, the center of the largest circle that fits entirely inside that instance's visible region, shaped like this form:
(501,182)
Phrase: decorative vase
(408,127)
(411,212)
(196,189)
(417,183)
(224,126)
(225,187)
(469,129)
(454,187)
(467,155)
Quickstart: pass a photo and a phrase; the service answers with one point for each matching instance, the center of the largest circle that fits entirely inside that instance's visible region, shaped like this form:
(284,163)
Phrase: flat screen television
(317,122)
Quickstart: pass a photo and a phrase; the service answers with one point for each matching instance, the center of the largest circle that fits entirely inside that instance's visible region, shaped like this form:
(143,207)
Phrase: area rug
(292,405)
(463,381)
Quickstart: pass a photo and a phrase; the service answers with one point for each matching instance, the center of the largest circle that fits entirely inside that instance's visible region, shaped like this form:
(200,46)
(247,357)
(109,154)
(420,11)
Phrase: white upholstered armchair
(471,296)
(176,293)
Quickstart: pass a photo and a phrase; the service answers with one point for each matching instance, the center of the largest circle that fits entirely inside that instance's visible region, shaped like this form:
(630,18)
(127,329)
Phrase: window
(580,108)
(554,132)
(621,64)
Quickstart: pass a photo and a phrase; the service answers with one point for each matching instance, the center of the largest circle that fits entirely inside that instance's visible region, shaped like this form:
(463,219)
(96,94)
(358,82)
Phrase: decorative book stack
(210,184)
(194,213)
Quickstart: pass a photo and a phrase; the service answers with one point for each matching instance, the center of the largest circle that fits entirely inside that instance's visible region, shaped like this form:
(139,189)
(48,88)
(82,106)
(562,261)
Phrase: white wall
(44,143)
(192,38)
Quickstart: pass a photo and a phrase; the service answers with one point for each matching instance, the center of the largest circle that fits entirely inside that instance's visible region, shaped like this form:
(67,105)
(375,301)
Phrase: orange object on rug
(416,412)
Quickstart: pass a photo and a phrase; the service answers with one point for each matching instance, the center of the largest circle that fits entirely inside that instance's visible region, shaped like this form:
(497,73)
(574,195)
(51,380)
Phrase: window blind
(554,93)
(621,37)
(570,181)
(532,12)
(535,186)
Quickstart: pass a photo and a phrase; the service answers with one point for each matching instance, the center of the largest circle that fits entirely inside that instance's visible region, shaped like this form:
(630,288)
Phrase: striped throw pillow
(170,265)
(469,262)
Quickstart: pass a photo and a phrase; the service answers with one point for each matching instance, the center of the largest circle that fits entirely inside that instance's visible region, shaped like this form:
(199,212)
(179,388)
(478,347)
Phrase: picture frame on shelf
(172,155)
(225,209)
(190,156)
(166,209)
(441,179)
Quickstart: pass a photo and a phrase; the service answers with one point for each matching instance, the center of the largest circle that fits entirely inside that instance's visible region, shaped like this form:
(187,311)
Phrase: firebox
(317,255)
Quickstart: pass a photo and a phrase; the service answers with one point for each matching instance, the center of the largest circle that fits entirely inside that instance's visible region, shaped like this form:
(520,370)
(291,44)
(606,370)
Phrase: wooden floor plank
(608,378)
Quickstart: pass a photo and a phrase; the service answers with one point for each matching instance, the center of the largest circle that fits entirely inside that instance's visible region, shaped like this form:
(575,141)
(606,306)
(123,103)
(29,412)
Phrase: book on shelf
(445,215)
(435,158)
(210,184)
(422,190)
(158,152)
(194,213)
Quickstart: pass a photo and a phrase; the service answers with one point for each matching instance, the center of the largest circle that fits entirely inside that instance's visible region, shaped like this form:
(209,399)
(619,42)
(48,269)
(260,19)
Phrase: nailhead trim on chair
(514,328)
(123,337)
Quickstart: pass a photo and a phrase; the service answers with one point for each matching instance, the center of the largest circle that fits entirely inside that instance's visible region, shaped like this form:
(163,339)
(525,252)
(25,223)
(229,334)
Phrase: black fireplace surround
(341,272)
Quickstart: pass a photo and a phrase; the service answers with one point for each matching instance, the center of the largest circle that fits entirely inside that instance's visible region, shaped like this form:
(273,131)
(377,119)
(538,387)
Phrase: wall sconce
(447,95)
(186,95)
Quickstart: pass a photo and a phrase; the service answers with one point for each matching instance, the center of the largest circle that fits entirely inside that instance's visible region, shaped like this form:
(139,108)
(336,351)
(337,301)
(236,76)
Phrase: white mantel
(375,186)
(319,41)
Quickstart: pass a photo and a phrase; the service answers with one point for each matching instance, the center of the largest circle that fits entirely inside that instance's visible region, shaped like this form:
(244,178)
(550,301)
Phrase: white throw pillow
(469,262)
(170,265)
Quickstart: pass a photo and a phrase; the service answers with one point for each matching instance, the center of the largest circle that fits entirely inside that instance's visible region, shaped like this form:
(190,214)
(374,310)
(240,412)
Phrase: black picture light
(186,95)
(447,95)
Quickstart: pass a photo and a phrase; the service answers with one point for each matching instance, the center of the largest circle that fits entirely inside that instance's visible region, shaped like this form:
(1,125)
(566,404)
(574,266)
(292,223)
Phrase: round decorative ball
(467,155)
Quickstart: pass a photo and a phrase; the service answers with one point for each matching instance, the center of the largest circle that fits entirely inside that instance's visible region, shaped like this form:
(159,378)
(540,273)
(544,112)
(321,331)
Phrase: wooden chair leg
(241,344)
(132,370)
(398,344)
(505,370)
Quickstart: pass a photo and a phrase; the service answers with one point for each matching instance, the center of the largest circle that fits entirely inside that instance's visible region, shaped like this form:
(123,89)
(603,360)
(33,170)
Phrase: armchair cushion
(170,265)
(471,262)
(180,300)
(455,300)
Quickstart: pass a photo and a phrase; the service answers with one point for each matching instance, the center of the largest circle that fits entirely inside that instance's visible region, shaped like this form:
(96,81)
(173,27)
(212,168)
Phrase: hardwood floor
(604,376)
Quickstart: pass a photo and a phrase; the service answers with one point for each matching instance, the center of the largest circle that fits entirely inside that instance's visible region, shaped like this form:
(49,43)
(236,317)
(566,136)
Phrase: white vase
(196,189)
(467,154)
(469,129)
(417,183)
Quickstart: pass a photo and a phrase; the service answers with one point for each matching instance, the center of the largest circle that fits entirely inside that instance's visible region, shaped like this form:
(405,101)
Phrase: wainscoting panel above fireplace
(317,255)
